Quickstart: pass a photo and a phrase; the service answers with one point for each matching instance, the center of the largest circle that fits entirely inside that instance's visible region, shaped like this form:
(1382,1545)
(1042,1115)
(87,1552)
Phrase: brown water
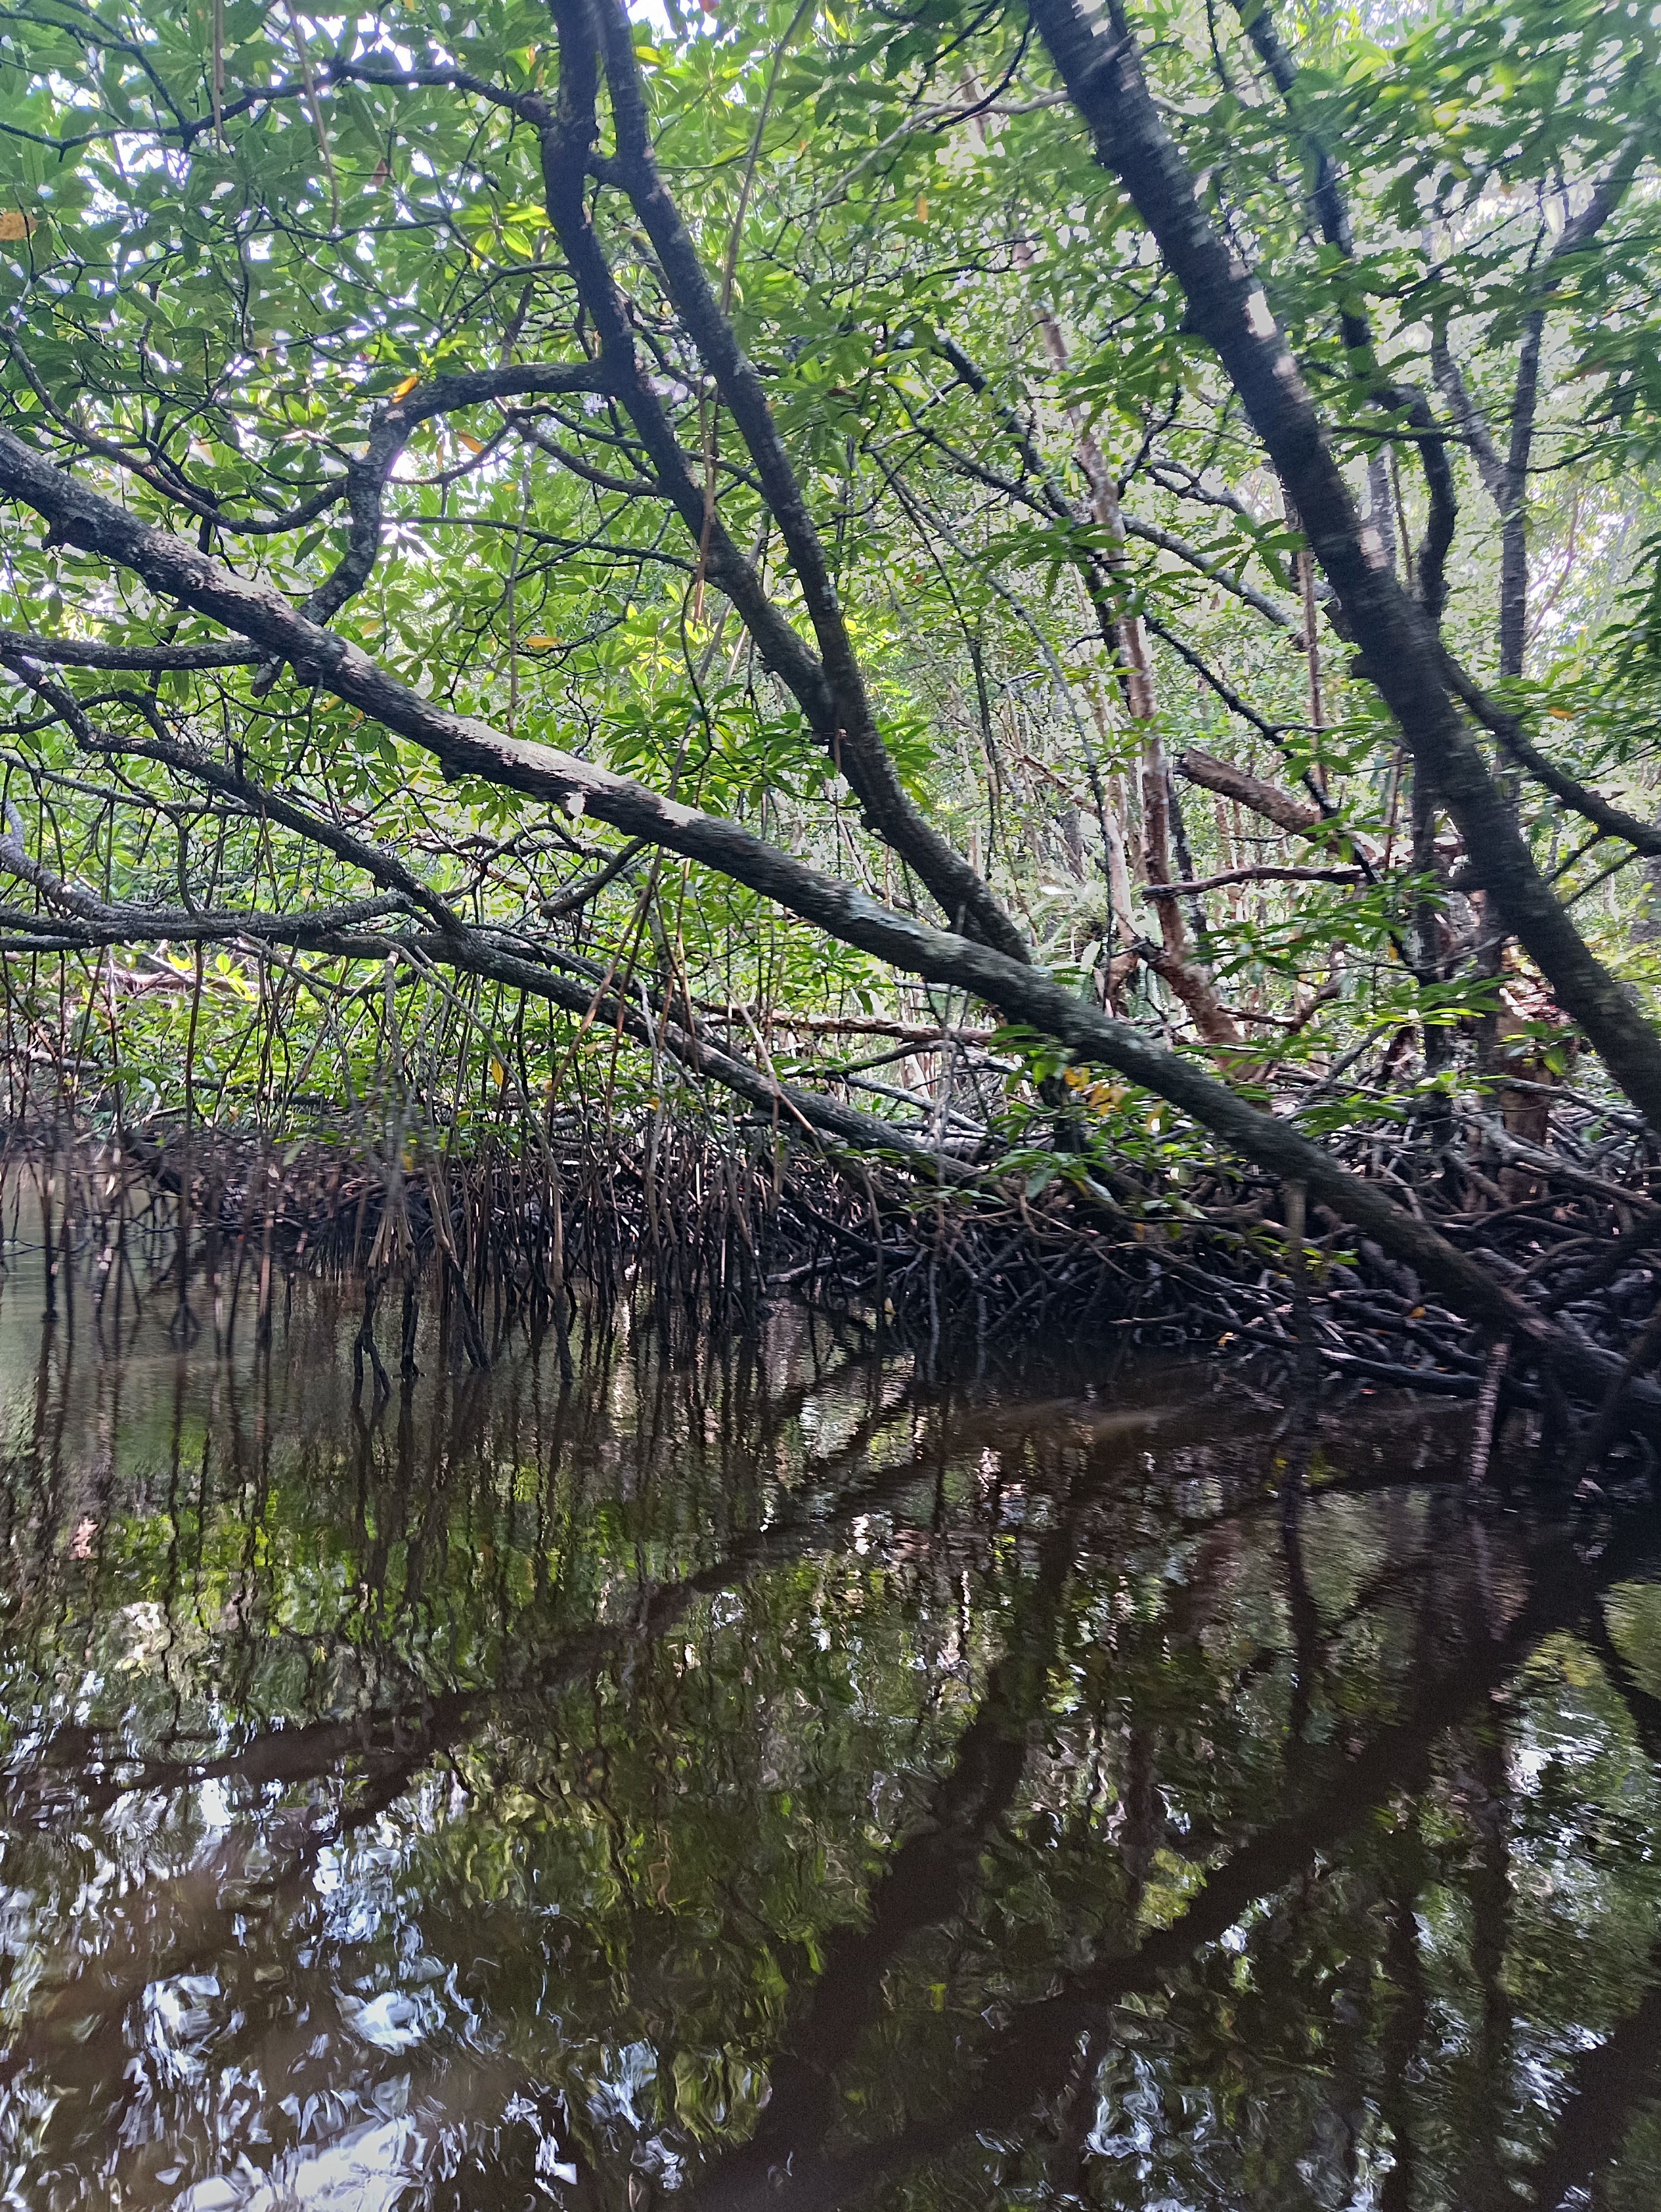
(778,1779)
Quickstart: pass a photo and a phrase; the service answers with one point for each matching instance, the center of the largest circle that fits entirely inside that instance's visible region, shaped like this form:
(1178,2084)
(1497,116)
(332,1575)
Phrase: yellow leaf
(15,224)
(473,444)
(538,644)
(406,387)
(922,207)
(498,1072)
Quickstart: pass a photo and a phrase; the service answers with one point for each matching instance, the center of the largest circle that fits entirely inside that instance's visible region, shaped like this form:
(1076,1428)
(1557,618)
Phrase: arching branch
(465,746)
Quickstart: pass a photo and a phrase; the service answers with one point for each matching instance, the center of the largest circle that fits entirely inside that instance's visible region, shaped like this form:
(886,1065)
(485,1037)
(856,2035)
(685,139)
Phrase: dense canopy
(957,578)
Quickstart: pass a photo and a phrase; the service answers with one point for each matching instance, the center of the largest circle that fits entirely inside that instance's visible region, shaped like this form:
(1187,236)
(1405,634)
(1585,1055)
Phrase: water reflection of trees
(771,1779)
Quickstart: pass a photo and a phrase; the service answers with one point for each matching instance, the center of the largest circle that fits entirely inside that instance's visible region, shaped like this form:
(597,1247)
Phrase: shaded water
(776,1779)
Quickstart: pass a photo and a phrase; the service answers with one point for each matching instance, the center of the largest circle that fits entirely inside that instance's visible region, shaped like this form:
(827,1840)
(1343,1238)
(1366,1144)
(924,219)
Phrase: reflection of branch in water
(188,1922)
(1482,1771)
(1366,1599)
(1608,2082)
(927,1883)
(1407,2011)
(1302,1611)
(408,1736)
(1067,2161)
(394,1623)
(1624,2071)
(1643,1706)
(1031,2057)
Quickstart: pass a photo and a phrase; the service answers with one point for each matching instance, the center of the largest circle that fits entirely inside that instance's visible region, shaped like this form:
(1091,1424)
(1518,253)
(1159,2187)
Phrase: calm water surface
(774,1778)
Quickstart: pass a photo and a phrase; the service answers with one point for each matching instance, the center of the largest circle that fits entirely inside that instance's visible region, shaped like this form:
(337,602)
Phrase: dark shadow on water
(782,1776)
